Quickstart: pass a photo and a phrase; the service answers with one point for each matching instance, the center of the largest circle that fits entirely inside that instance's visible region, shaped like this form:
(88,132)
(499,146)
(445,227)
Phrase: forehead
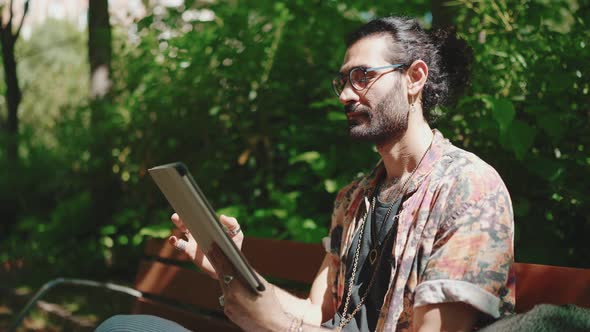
(370,51)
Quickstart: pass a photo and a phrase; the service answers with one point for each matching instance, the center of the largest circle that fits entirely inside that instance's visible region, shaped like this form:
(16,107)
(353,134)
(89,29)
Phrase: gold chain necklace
(345,320)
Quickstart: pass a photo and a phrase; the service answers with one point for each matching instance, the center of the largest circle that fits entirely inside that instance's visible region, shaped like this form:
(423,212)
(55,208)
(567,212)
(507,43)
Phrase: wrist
(295,324)
(287,322)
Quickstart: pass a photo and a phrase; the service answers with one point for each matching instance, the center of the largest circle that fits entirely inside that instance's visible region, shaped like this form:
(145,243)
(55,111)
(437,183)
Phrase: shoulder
(466,174)
(462,184)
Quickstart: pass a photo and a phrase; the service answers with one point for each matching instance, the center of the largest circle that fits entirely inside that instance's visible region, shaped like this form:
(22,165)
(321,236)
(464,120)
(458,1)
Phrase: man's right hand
(191,247)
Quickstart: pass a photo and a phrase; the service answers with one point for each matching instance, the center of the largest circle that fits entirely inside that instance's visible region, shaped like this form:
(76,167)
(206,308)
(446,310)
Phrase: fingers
(179,244)
(178,223)
(231,223)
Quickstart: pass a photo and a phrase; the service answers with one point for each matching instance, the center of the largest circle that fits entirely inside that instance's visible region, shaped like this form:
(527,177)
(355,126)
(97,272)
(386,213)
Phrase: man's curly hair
(448,58)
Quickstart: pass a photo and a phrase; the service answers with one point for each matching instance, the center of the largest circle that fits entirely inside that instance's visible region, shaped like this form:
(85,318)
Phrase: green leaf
(313,158)
(325,103)
(309,224)
(308,157)
(522,207)
(551,123)
(231,211)
(546,168)
(336,116)
(280,213)
(157,231)
(520,137)
(502,110)
(330,185)
(108,230)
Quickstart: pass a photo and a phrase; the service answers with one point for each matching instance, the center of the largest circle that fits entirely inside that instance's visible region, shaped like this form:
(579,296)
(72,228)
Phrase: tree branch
(15,36)
(9,24)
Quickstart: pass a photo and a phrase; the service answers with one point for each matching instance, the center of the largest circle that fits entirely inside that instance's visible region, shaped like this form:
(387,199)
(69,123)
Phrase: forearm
(305,309)
(451,316)
(318,307)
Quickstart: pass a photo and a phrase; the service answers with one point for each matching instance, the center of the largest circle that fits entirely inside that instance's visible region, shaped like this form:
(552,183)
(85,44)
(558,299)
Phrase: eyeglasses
(357,77)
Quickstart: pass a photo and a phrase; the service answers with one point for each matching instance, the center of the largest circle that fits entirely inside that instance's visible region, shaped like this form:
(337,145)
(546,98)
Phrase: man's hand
(192,248)
(249,310)
(447,317)
(268,308)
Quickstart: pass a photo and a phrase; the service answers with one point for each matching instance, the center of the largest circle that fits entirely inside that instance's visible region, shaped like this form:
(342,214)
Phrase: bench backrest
(190,297)
(537,284)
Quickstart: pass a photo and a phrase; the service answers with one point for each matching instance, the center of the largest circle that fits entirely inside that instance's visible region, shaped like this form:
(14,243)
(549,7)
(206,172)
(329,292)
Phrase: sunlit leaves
(241,93)
(503,111)
(519,138)
(529,69)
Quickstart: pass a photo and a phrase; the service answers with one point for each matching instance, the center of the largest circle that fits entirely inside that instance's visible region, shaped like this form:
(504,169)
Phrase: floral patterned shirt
(454,241)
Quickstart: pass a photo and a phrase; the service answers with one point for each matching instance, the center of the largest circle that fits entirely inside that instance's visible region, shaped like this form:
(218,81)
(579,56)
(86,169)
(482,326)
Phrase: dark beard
(387,121)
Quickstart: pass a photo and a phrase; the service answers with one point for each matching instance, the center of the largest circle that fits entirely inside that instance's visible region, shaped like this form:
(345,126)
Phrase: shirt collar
(439,144)
(437,149)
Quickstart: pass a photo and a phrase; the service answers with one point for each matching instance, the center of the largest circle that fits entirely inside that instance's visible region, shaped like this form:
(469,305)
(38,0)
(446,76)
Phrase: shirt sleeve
(471,255)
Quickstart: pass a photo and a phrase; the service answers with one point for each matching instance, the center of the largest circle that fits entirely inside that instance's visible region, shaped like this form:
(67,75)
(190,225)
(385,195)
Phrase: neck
(402,155)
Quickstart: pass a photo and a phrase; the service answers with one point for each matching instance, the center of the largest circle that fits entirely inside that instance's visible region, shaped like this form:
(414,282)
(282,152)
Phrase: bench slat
(179,284)
(537,284)
(284,259)
(190,320)
(276,258)
(161,248)
(299,262)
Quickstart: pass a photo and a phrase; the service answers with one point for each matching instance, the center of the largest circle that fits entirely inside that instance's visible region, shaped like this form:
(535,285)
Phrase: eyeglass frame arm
(397,65)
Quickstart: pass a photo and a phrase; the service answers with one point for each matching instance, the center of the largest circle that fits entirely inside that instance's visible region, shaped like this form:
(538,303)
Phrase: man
(425,241)
(422,243)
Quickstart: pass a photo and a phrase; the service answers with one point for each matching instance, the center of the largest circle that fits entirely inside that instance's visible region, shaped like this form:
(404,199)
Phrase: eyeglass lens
(358,79)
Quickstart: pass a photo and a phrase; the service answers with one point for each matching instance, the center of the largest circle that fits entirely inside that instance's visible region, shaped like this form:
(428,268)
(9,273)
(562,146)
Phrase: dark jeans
(137,323)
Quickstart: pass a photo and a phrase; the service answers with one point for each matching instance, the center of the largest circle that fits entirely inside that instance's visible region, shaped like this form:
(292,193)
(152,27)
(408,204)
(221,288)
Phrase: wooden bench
(175,290)
(190,297)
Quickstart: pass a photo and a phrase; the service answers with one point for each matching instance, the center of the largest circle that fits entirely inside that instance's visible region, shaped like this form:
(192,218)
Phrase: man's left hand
(252,311)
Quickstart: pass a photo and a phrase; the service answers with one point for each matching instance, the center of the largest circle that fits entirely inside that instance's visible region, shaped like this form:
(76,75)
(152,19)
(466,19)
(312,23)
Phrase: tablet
(187,199)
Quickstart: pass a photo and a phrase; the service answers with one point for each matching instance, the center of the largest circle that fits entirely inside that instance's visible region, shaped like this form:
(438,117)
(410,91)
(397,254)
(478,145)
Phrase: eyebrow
(346,69)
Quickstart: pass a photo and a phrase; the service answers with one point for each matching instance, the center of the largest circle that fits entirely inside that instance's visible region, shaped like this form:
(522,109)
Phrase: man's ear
(416,78)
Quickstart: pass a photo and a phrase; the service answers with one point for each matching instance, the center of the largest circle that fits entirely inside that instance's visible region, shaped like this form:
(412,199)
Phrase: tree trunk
(99,48)
(9,205)
(105,186)
(13,92)
(442,15)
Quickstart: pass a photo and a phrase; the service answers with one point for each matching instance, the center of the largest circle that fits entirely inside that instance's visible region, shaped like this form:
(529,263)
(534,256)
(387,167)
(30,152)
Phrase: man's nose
(348,94)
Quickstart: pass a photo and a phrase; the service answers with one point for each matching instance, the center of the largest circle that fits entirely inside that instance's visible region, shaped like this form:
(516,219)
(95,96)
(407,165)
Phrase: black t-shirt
(368,315)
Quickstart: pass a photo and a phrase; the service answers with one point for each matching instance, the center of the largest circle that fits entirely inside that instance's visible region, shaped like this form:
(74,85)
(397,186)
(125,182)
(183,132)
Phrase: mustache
(350,108)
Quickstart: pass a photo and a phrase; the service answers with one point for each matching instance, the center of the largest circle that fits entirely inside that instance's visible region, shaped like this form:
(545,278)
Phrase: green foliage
(53,75)
(244,100)
(530,94)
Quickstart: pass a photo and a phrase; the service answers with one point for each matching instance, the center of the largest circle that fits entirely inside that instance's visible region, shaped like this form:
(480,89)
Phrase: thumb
(230,222)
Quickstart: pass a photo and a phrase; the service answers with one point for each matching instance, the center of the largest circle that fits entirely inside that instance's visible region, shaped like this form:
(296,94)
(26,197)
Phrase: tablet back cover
(188,201)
